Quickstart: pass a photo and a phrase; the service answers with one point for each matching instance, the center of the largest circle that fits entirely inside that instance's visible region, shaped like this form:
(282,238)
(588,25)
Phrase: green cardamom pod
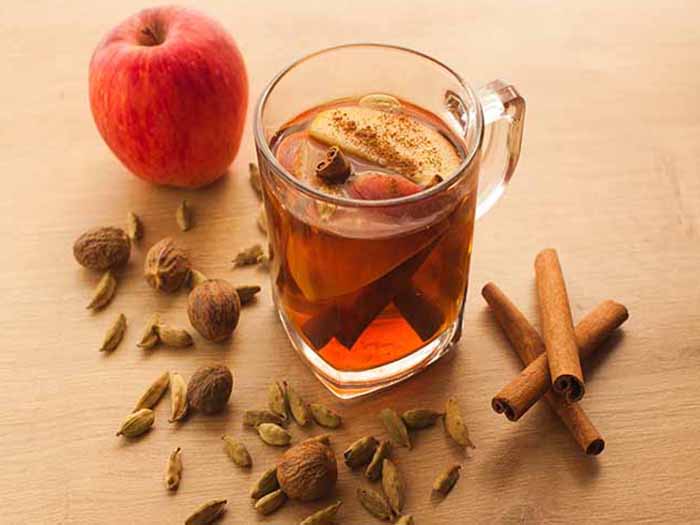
(153,393)
(269,503)
(137,423)
(173,470)
(114,335)
(277,399)
(393,486)
(324,416)
(360,452)
(455,426)
(184,216)
(237,452)
(446,480)
(249,256)
(247,293)
(395,427)
(404,520)
(254,178)
(325,516)
(149,338)
(420,418)
(374,469)
(266,484)
(262,219)
(196,278)
(134,228)
(175,337)
(297,407)
(252,418)
(207,513)
(321,438)
(178,397)
(273,434)
(104,291)
(374,503)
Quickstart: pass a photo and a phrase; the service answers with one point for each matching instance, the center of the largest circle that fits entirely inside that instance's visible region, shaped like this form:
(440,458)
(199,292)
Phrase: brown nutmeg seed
(167,267)
(102,248)
(209,389)
(307,471)
(214,308)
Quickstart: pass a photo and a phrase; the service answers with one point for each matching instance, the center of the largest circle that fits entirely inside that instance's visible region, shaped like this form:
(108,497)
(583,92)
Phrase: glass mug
(371,292)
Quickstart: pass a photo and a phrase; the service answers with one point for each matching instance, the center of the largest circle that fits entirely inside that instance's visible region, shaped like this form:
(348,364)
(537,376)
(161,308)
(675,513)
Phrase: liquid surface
(394,148)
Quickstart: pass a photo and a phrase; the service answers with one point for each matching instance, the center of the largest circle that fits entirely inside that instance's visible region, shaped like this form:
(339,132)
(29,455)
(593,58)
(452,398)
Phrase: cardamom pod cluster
(156,332)
(389,504)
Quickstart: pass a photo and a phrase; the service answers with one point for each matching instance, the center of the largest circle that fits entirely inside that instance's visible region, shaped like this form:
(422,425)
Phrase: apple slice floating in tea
(288,150)
(389,139)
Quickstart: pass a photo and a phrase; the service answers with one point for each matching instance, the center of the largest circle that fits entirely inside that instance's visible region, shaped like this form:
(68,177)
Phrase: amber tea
(367,288)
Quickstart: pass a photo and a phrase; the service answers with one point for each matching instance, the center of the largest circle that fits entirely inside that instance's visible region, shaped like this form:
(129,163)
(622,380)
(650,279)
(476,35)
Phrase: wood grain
(608,176)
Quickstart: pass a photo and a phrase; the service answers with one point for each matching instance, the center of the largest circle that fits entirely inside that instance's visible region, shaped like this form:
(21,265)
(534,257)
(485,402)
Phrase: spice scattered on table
(114,334)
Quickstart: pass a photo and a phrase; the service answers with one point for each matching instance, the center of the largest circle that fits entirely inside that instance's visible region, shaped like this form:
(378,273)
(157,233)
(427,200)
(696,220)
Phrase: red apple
(169,92)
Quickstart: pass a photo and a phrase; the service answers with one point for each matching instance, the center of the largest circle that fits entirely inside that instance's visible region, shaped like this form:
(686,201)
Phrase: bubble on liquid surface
(380,101)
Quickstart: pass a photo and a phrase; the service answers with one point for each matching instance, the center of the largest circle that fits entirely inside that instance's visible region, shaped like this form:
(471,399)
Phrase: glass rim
(264,147)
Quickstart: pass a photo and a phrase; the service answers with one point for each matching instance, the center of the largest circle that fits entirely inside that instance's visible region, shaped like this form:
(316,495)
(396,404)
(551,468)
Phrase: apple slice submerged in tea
(313,260)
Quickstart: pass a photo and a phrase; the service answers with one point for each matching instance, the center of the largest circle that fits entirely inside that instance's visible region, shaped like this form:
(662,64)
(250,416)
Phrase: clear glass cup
(372,292)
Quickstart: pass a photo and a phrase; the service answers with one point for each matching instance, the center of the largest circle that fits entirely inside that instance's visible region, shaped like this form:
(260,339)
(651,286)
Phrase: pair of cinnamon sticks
(552,362)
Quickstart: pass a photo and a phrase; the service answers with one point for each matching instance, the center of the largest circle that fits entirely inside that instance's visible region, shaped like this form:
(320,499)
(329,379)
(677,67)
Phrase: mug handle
(504,116)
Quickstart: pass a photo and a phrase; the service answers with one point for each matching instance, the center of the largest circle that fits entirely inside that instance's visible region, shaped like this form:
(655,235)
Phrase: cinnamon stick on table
(558,327)
(528,345)
(534,381)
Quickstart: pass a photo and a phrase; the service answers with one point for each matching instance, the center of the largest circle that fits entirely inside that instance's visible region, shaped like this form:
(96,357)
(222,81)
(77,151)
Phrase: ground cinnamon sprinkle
(379,142)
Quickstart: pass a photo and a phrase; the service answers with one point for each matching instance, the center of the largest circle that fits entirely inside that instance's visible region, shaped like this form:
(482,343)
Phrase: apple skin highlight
(169,94)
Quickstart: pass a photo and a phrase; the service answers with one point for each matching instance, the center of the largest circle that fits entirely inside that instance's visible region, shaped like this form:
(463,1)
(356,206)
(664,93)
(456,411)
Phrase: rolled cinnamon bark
(521,393)
(558,327)
(528,345)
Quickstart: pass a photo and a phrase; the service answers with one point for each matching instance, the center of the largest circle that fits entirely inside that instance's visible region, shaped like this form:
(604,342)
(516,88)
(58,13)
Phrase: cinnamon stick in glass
(558,327)
(534,381)
(528,345)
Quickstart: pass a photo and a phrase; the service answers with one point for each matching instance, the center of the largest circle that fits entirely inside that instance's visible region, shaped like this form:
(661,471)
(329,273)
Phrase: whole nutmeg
(102,248)
(209,389)
(307,471)
(214,308)
(167,267)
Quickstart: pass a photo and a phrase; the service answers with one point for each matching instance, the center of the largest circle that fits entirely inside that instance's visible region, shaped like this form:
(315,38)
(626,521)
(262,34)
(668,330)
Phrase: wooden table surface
(608,176)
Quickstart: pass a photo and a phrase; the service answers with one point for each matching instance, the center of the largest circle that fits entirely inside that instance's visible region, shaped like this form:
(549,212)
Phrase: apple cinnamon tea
(365,286)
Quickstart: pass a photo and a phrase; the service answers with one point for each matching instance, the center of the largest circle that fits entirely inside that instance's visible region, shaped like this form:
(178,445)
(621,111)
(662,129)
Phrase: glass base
(351,384)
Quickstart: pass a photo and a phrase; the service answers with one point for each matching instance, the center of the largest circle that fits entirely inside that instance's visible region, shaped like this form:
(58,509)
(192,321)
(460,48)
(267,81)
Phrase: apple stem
(154,36)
